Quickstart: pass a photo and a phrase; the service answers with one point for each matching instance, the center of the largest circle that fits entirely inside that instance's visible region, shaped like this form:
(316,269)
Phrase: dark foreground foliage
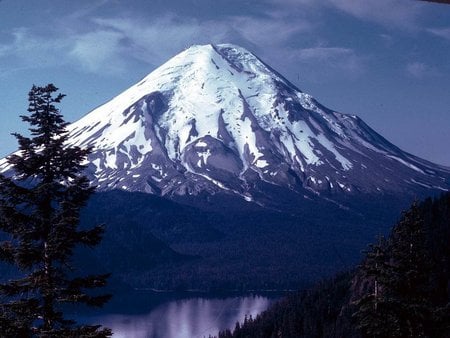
(401,289)
(40,203)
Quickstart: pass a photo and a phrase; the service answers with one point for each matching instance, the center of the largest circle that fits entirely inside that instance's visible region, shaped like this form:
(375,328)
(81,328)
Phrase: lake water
(195,317)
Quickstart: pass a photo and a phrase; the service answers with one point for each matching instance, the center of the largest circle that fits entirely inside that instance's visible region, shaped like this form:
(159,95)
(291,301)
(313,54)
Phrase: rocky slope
(216,119)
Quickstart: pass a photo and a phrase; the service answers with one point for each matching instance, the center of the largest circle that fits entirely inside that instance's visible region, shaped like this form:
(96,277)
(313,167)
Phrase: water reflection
(188,318)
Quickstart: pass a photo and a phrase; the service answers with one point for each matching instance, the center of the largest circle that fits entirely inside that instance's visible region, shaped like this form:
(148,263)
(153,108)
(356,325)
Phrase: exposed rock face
(216,119)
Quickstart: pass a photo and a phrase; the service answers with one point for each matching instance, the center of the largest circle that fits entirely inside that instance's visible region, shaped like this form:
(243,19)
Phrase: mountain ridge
(216,119)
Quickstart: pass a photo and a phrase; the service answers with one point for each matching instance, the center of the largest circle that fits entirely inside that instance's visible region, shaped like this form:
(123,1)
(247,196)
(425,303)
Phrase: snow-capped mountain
(215,118)
(212,128)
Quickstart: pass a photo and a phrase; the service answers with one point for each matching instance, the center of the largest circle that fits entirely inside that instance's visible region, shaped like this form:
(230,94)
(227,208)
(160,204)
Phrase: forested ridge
(401,288)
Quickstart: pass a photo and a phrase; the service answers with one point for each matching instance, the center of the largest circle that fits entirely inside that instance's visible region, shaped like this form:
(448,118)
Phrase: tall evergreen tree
(39,215)
(399,271)
(375,315)
(412,266)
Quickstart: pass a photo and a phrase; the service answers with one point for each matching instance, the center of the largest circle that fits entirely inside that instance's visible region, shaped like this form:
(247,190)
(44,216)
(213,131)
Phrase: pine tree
(39,215)
(412,266)
(375,315)
(399,271)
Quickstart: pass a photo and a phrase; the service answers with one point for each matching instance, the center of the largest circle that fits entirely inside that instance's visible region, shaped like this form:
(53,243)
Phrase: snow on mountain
(215,118)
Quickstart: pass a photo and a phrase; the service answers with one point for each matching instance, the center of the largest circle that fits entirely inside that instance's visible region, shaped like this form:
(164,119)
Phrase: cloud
(32,51)
(269,31)
(441,32)
(391,13)
(336,58)
(113,44)
(153,42)
(99,51)
(323,53)
(387,40)
(385,12)
(292,2)
(95,52)
(420,70)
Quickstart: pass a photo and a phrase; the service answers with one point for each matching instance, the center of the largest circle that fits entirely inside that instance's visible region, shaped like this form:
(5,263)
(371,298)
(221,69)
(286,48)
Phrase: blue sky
(387,61)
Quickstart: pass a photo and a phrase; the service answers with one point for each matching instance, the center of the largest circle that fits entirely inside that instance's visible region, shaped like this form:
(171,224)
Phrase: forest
(400,289)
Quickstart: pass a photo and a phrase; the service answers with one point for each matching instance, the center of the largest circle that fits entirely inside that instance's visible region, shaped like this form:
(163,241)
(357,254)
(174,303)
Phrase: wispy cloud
(94,51)
(386,12)
(387,40)
(99,51)
(441,32)
(32,51)
(340,59)
(153,42)
(293,2)
(111,44)
(392,13)
(108,45)
(420,70)
(268,32)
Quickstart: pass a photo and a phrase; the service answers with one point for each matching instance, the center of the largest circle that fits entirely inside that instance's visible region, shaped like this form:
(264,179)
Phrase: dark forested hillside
(153,242)
(317,312)
(401,289)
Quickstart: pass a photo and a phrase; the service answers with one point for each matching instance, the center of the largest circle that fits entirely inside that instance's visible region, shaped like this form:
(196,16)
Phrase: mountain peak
(216,119)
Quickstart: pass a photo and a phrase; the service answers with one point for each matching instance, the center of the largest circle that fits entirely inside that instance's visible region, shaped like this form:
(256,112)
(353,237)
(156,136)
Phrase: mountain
(216,119)
(214,171)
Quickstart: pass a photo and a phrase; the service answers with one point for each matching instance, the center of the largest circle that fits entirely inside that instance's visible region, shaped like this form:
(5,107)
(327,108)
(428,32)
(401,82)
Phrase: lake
(192,317)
